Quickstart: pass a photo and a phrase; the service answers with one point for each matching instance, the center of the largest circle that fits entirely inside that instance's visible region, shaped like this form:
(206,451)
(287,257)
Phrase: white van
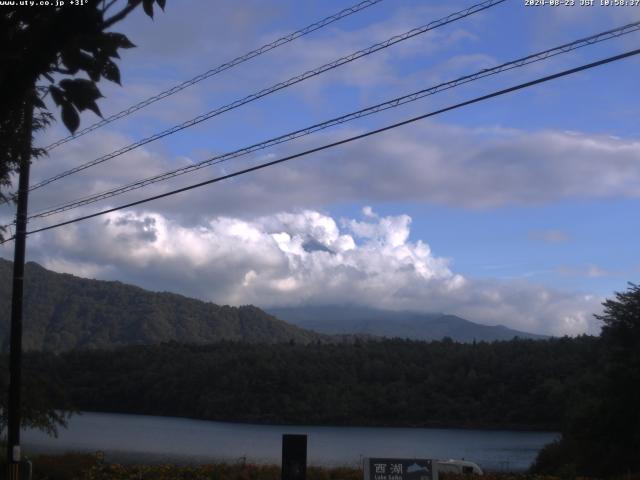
(458,466)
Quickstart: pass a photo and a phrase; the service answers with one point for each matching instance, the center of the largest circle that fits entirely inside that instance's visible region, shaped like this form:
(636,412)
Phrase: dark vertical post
(294,457)
(15,356)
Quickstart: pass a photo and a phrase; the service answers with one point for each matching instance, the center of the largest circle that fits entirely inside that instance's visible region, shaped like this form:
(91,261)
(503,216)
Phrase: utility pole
(15,355)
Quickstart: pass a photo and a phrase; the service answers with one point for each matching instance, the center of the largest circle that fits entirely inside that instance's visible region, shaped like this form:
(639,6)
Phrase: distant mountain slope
(64,312)
(417,326)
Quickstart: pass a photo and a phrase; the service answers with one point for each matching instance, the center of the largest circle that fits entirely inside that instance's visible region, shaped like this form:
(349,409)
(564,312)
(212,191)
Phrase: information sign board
(399,469)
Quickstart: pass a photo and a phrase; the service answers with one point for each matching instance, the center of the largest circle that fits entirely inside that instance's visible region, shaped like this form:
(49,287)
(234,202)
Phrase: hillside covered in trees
(517,384)
(66,312)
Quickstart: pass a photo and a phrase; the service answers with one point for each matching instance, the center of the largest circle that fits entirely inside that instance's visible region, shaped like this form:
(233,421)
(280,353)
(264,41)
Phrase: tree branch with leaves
(60,51)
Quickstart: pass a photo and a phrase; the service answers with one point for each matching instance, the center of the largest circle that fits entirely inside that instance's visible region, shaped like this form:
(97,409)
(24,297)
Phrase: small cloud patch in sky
(549,236)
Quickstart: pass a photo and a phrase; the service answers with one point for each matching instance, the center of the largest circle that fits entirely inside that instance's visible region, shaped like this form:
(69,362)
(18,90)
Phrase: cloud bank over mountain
(303,257)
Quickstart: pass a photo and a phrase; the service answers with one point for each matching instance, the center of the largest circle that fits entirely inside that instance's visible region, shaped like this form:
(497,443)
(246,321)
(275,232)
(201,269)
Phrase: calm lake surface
(147,439)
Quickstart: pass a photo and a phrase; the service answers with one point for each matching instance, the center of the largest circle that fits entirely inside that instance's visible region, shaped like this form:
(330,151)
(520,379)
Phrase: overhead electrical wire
(346,140)
(220,68)
(536,57)
(279,86)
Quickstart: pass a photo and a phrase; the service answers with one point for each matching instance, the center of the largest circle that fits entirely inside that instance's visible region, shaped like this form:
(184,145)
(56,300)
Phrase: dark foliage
(601,434)
(40,393)
(516,384)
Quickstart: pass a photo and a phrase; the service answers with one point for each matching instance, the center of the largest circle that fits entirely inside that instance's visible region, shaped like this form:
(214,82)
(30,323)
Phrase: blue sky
(519,210)
(559,244)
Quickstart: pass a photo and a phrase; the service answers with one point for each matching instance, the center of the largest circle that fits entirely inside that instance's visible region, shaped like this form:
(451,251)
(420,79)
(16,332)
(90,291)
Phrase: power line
(279,86)
(346,140)
(536,57)
(220,68)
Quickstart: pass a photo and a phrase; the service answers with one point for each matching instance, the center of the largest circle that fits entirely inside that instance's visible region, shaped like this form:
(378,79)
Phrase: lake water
(147,439)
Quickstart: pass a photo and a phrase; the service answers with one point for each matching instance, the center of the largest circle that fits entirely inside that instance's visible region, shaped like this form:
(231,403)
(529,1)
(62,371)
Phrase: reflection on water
(139,438)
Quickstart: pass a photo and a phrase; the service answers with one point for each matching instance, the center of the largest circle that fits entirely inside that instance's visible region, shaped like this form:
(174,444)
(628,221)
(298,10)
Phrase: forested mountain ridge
(64,312)
(351,319)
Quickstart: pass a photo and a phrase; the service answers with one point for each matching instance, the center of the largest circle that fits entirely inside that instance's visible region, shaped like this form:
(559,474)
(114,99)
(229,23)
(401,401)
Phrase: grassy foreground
(81,466)
(75,466)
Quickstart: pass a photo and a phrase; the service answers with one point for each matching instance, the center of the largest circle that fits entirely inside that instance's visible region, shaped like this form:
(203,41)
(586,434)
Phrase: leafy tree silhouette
(601,436)
(46,50)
